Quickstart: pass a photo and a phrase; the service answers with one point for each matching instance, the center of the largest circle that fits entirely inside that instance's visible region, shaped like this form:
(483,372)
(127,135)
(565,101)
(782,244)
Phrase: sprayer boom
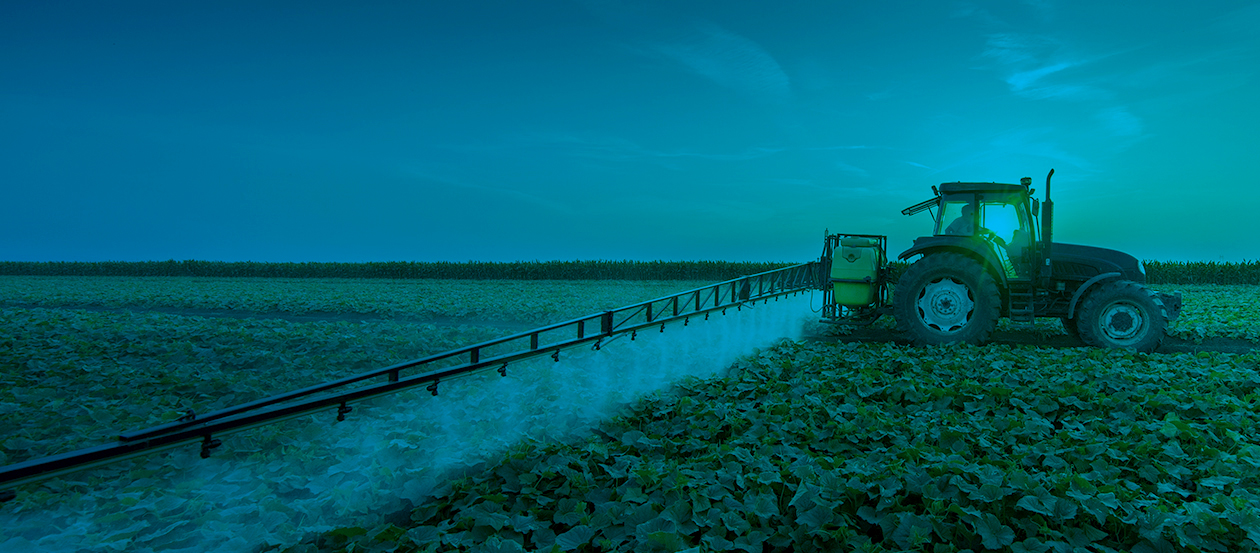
(593,330)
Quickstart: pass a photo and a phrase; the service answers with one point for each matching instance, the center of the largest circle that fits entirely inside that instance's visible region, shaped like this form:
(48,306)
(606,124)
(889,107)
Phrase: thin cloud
(1034,143)
(851,169)
(727,59)
(520,196)
(1021,80)
(438,175)
(1021,57)
(829,148)
(1014,48)
(1065,92)
(731,61)
(1044,8)
(1120,122)
(1031,143)
(832,189)
(614,148)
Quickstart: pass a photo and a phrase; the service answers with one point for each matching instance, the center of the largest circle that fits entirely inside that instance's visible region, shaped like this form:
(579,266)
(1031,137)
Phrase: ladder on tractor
(1020,300)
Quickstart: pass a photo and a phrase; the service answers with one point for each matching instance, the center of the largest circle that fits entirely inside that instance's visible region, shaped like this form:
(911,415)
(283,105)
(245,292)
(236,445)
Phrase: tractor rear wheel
(1122,314)
(944,298)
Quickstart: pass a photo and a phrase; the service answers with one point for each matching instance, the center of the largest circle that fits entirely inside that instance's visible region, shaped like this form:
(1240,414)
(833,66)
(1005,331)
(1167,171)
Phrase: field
(818,444)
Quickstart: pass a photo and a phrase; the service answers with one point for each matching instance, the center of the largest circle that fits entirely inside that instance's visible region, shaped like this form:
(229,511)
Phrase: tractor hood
(1073,261)
(1068,261)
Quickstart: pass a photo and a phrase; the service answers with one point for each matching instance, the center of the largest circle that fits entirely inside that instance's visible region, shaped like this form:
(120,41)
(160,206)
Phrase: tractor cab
(995,221)
(997,214)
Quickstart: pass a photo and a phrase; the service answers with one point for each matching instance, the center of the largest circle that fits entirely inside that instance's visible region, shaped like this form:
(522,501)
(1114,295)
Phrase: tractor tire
(1122,314)
(945,298)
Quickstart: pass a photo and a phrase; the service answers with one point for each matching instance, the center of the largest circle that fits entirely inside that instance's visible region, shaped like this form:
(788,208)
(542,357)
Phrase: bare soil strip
(1171,344)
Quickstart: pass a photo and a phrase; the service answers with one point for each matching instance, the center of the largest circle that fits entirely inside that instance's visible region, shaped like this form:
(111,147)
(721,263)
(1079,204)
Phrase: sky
(601,129)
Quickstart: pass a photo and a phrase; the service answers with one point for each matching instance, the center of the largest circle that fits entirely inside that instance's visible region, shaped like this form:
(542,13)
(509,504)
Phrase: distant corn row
(1157,272)
(474,270)
(1202,272)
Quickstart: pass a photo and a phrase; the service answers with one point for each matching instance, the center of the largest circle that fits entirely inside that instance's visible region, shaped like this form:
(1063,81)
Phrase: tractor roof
(966,187)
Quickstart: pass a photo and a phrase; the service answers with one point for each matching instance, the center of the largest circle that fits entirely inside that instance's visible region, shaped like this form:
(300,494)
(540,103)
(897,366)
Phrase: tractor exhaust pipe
(1047,225)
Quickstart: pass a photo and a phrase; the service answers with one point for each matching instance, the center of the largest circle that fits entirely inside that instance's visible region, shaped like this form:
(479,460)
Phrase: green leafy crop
(817,447)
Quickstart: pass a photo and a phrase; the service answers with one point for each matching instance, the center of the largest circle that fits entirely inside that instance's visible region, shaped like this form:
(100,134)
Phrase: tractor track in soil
(1172,344)
(813,331)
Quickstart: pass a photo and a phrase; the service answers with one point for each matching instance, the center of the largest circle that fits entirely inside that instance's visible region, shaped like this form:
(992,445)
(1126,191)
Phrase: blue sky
(613,130)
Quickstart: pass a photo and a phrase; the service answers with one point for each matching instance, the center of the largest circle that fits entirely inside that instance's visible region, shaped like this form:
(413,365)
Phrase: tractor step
(1021,302)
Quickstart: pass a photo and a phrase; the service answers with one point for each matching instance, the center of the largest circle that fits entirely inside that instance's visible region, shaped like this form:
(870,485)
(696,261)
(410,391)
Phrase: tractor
(989,258)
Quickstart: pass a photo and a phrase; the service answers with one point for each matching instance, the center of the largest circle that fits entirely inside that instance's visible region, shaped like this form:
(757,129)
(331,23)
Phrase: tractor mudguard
(975,246)
(1080,291)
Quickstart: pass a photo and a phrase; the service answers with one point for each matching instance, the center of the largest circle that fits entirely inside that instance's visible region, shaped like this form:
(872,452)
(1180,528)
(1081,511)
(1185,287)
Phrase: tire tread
(904,310)
(1111,289)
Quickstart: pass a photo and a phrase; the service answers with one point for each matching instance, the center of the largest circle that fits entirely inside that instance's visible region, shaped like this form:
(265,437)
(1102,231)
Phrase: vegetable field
(803,446)
(816,447)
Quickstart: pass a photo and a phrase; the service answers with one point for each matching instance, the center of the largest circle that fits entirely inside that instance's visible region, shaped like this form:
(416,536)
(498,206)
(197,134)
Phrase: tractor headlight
(1142,268)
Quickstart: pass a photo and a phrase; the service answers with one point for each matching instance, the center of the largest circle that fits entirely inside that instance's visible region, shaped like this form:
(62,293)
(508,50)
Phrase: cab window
(1009,222)
(1001,218)
(952,221)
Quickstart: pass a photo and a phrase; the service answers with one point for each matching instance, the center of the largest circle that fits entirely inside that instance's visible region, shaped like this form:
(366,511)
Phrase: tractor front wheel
(1122,314)
(944,298)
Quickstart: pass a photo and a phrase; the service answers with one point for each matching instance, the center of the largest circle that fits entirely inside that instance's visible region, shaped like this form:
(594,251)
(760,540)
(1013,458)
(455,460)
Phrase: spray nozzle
(208,444)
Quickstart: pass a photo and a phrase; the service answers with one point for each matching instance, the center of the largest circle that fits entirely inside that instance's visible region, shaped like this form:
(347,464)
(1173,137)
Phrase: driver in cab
(962,226)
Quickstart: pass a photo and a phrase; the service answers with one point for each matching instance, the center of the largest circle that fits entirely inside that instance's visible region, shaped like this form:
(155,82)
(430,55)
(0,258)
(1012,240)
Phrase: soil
(826,333)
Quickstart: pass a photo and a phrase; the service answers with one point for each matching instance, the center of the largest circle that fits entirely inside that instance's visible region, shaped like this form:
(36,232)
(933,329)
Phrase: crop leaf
(868,514)
(423,535)
(498,545)
(735,522)
(763,505)
(989,493)
(1034,504)
(815,519)
(1095,507)
(1063,510)
(914,530)
(575,538)
(1031,545)
(1218,482)
(1109,499)
(806,497)
(1084,535)
(668,541)
(1248,521)
(1173,449)
(1159,545)
(752,543)
(991,475)
(717,542)
(994,534)
(347,533)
